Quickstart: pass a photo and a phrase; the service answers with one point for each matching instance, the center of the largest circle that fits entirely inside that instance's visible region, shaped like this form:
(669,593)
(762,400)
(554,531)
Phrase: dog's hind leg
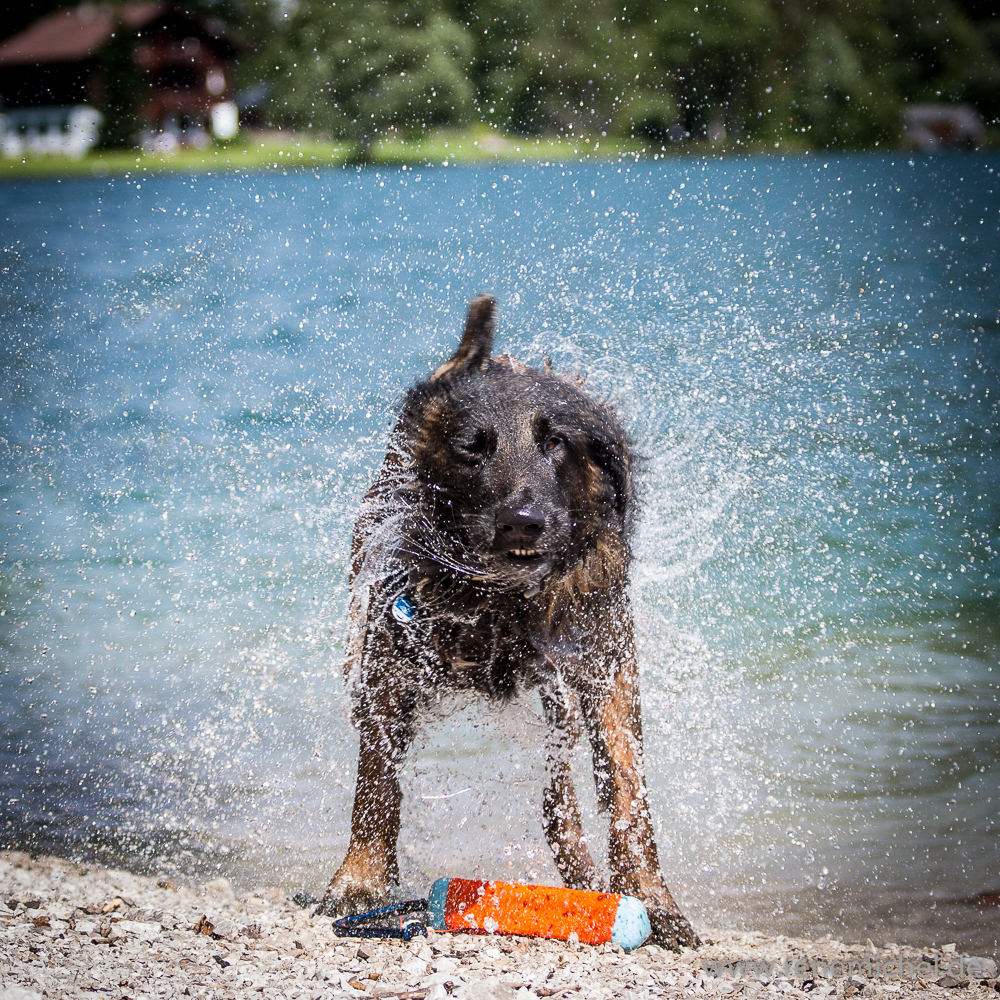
(560,810)
(613,721)
(365,878)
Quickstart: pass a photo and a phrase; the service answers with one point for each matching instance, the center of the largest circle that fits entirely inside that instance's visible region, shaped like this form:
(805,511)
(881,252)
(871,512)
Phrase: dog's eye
(552,443)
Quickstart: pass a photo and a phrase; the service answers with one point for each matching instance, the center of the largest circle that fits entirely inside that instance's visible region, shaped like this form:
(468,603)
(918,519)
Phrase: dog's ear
(477,341)
(611,453)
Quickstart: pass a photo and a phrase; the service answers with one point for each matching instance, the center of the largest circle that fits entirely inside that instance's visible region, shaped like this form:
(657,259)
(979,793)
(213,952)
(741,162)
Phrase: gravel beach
(74,930)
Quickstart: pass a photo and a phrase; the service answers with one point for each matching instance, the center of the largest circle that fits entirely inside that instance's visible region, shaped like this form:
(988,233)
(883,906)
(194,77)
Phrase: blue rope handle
(355,926)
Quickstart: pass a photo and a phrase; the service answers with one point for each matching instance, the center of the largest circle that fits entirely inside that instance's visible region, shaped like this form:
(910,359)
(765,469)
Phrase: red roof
(74,33)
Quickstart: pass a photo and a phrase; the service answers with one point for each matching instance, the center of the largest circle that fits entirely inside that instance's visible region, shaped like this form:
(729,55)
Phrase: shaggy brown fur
(501,517)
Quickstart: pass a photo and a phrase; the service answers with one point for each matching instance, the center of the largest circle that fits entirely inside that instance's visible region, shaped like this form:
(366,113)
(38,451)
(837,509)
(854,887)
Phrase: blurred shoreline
(74,930)
(274,149)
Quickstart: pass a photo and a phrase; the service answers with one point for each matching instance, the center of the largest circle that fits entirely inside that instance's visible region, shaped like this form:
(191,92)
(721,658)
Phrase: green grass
(441,148)
(457,148)
(451,148)
(273,154)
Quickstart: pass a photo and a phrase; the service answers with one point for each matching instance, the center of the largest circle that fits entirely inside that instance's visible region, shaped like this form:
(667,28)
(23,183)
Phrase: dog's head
(523,481)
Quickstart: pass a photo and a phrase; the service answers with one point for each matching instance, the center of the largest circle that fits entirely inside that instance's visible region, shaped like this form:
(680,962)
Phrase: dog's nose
(520,527)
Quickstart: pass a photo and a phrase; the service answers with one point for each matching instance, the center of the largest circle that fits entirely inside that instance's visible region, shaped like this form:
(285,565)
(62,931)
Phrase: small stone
(221,888)
(948,949)
(138,929)
(18,993)
(980,968)
(351,986)
(488,989)
(226,929)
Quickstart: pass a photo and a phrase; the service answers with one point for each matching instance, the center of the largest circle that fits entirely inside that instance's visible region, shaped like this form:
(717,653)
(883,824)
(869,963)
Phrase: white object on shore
(59,129)
(225,120)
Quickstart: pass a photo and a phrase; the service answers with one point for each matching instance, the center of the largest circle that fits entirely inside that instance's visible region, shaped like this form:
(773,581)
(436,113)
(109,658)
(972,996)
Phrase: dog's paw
(363,882)
(354,889)
(671,929)
(349,902)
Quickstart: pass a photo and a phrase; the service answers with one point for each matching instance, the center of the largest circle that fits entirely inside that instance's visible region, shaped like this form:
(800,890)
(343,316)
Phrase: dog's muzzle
(519,533)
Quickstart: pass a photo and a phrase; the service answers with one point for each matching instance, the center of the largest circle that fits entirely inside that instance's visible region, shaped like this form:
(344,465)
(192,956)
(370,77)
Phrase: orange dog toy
(459,904)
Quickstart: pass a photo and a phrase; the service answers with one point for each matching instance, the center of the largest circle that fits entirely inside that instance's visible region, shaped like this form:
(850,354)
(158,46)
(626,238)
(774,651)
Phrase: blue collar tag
(403,609)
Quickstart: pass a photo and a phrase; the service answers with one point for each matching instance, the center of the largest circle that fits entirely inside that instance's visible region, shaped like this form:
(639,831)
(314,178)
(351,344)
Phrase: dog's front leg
(370,869)
(615,729)
(560,809)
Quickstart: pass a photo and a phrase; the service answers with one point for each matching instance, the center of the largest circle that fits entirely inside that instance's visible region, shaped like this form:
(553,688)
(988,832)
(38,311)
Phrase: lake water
(198,375)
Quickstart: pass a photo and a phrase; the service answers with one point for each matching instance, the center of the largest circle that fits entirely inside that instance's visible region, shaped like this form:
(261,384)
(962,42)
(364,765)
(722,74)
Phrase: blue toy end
(403,609)
(631,923)
(436,899)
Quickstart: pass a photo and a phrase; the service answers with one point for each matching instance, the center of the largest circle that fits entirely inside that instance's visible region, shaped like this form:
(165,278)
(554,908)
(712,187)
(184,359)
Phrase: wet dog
(492,555)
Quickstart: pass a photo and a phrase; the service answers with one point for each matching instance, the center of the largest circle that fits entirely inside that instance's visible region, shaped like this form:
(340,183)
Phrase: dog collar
(403,609)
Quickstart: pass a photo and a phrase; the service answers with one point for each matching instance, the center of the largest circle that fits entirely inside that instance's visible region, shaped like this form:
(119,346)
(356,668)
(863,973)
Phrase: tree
(366,69)
(811,73)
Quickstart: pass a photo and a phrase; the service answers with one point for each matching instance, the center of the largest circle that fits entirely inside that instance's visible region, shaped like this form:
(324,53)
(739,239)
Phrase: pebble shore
(73,930)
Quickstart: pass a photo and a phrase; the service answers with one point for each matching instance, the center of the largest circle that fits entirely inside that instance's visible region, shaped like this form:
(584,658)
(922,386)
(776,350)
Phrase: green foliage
(364,69)
(805,73)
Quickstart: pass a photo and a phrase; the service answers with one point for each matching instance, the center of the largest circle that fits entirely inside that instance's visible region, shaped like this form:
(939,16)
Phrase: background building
(148,72)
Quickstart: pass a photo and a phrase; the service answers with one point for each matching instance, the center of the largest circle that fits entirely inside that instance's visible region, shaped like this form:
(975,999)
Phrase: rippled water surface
(198,375)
